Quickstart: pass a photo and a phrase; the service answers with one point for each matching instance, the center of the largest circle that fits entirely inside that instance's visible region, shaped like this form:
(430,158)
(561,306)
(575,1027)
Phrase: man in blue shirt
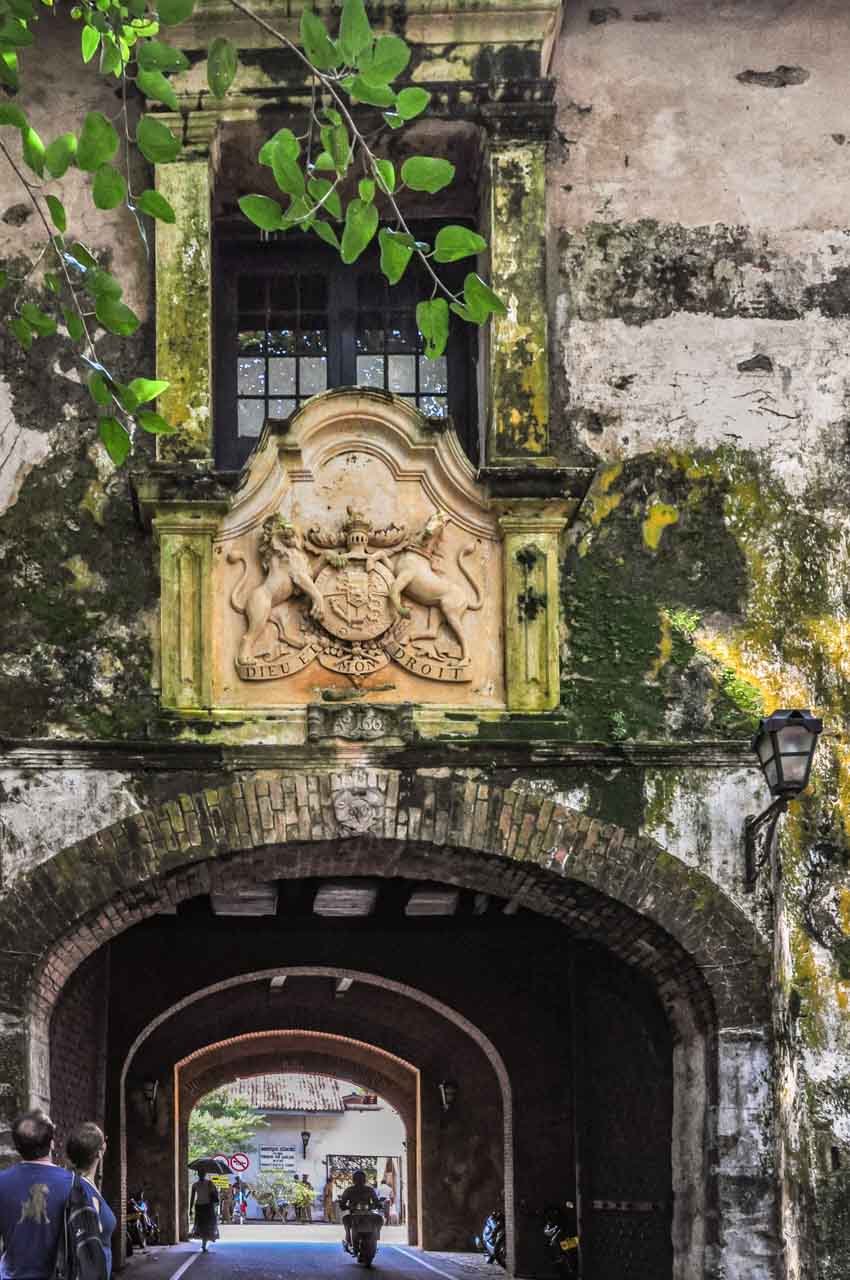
(32,1202)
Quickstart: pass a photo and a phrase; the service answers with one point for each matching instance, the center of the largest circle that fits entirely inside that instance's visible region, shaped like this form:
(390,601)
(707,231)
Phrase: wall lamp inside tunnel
(448,1094)
(150,1088)
(785,744)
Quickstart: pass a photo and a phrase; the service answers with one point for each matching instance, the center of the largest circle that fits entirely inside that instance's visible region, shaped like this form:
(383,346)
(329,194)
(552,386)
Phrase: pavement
(272,1251)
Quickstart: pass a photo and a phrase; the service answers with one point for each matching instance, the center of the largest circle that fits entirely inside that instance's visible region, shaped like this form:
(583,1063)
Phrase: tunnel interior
(561,1053)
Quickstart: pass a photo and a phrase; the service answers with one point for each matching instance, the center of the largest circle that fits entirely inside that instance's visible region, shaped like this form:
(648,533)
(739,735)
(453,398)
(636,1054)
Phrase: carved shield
(357,600)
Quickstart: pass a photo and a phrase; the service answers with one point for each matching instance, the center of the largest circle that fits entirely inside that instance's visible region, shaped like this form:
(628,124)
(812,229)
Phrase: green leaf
(340,148)
(33,150)
(324,160)
(299,213)
(171,12)
(318,46)
(111,62)
(361,223)
(57,212)
(153,422)
(115,439)
(59,154)
(320,188)
(156,206)
(222,63)
(355,34)
(9,69)
(155,85)
(385,170)
(51,281)
(480,299)
(263,212)
(326,232)
(387,60)
(22,332)
(396,252)
(89,39)
(109,188)
(412,102)
(153,55)
(116,316)
(98,142)
(22,8)
(14,33)
(426,173)
(73,324)
(4,279)
(285,140)
(394,120)
(376,95)
(99,390)
(366,190)
(100,284)
(81,256)
(156,141)
(287,172)
(145,389)
(40,323)
(10,114)
(453,243)
(433,321)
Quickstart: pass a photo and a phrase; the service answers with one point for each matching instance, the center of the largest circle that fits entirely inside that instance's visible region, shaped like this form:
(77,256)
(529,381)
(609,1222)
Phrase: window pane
(251,377)
(281,408)
(434,406)
(402,334)
(281,342)
(250,417)
(402,373)
(281,376)
(252,293)
(314,293)
(313,336)
(314,375)
(370,371)
(370,331)
(251,342)
(433,375)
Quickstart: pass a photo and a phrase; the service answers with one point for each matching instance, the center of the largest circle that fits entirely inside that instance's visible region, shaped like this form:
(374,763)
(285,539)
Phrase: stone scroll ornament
(344,598)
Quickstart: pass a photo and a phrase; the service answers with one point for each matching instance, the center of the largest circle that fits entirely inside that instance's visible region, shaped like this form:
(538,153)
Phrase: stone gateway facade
(400,731)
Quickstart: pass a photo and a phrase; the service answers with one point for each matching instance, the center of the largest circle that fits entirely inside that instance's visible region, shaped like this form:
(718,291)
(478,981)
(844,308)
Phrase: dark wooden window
(292,321)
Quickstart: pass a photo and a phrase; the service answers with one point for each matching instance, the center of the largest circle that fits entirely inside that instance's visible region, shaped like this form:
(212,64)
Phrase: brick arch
(511,841)
(310,1053)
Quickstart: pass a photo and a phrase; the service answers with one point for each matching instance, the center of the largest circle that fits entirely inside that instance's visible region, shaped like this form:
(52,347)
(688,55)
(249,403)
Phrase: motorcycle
(365,1231)
(492,1241)
(561,1233)
(136,1236)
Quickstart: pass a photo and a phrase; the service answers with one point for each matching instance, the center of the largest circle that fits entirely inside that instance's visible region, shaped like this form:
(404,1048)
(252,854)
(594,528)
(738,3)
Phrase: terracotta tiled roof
(289,1093)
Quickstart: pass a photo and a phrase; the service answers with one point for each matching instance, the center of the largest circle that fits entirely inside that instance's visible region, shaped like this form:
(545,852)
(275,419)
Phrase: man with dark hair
(32,1202)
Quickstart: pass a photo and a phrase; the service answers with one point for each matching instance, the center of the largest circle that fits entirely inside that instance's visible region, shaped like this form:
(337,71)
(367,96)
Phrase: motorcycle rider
(359,1196)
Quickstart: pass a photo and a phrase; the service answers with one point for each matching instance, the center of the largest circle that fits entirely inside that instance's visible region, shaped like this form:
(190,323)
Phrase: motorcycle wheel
(365,1250)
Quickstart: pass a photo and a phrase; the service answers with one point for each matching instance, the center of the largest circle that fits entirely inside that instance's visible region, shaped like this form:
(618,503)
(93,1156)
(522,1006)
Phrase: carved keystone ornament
(359,543)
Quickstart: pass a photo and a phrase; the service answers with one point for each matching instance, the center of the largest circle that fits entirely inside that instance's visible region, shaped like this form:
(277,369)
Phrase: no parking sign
(239,1162)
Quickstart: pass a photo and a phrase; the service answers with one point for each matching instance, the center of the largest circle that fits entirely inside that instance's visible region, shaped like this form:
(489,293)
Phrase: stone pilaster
(532,668)
(183,311)
(185,535)
(518,344)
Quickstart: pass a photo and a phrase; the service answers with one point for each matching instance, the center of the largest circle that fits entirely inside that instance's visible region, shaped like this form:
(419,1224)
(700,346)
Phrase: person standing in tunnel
(32,1202)
(204,1201)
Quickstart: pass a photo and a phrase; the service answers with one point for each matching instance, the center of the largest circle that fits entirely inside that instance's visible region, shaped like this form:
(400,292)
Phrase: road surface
(260,1258)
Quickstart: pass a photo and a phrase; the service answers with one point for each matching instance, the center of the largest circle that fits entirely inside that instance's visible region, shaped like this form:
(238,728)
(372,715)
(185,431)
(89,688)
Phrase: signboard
(239,1162)
(220,1180)
(277,1160)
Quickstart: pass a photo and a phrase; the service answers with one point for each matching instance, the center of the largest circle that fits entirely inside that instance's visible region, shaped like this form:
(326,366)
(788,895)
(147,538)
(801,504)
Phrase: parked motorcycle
(493,1241)
(136,1236)
(365,1231)
(561,1232)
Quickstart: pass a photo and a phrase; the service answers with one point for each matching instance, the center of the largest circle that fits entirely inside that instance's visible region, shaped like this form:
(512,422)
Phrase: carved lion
(287,573)
(446,601)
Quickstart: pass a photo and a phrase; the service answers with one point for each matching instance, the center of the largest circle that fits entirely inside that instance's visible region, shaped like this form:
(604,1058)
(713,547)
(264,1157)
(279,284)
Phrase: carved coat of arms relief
(355,598)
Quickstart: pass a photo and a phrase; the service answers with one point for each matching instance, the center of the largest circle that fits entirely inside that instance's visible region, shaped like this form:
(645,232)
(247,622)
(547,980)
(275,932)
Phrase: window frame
(236,254)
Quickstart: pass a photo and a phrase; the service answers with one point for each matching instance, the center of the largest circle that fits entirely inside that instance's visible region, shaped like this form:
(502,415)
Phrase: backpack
(81,1253)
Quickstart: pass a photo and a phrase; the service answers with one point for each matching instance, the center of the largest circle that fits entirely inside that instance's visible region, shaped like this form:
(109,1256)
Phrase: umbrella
(210,1164)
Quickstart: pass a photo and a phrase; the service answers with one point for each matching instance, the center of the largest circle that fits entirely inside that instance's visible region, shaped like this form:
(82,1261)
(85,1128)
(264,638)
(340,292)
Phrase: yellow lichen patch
(659,515)
(844,909)
(778,686)
(841,995)
(832,636)
(665,647)
(84,578)
(602,502)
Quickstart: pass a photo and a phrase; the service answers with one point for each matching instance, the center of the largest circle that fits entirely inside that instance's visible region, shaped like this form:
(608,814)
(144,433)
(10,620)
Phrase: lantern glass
(785,745)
